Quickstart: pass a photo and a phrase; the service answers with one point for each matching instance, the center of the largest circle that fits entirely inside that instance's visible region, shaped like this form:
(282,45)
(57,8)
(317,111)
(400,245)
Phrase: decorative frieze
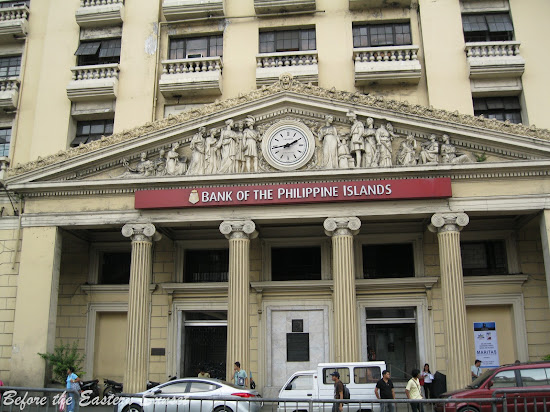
(202,76)
(388,64)
(93,82)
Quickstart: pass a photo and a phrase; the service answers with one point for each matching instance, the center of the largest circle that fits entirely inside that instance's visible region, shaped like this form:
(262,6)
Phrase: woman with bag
(74,385)
(428,380)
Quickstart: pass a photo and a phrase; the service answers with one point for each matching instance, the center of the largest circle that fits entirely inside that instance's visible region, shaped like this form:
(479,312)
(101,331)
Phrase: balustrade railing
(194,65)
(16,13)
(493,49)
(305,58)
(91,3)
(7,85)
(100,71)
(385,54)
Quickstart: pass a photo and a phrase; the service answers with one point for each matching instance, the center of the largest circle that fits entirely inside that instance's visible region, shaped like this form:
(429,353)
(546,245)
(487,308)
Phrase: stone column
(139,302)
(346,329)
(239,233)
(448,227)
(545,241)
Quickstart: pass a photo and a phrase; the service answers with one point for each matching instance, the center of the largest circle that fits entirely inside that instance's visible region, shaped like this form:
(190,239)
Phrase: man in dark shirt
(338,392)
(384,390)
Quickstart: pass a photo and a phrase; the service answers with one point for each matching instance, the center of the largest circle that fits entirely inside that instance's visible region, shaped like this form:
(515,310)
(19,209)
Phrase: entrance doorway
(204,343)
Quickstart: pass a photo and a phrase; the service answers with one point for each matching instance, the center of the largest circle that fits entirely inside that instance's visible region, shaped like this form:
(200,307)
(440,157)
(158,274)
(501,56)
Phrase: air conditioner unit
(193,56)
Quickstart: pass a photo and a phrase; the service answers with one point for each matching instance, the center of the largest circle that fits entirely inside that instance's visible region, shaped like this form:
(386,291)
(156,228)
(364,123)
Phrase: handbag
(252,383)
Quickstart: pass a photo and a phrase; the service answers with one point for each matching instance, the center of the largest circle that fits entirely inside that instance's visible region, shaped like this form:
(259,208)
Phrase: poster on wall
(486,344)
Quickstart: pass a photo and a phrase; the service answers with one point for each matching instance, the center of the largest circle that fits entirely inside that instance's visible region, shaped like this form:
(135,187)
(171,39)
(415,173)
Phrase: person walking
(384,390)
(240,378)
(412,390)
(72,383)
(428,380)
(338,392)
(476,369)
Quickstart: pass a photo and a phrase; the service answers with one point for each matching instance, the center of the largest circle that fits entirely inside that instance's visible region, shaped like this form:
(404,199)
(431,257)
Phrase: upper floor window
(98,52)
(114,268)
(10,66)
(6,4)
(296,263)
(500,108)
(484,258)
(287,40)
(374,35)
(388,261)
(90,130)
(194,47)
(5,138)
(487,27)
(208,265)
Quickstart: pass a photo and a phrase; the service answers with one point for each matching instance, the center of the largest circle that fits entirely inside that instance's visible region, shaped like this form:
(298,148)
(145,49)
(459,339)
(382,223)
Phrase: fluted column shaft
(139,300)
(346,335)
(448,228)
(239,234)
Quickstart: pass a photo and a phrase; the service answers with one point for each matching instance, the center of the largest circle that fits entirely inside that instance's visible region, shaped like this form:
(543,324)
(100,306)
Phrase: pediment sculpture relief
(237,148)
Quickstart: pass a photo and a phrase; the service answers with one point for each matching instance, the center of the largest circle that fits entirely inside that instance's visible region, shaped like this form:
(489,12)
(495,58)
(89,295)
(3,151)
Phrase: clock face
(288,146)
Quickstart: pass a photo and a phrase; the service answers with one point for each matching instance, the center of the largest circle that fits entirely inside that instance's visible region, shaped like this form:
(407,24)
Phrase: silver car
(192,395)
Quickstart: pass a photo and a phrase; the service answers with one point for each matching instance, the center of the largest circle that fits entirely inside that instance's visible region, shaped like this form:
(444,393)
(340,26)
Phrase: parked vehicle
(359,377)
(192,395)
(111,387)
(90,386)
(152,384)
(517,377)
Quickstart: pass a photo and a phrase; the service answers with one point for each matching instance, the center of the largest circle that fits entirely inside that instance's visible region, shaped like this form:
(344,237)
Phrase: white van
(359,377)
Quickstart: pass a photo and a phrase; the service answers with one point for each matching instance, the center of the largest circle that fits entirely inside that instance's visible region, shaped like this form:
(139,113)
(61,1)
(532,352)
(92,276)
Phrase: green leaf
(64,356)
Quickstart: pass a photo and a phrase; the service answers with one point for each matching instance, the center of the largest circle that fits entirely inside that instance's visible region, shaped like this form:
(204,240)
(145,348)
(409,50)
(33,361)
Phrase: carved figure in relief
(143,168)
(370,159)
(328,135)
(406,155)
(345,159)
(160,163)
(227,148)
(197,145)
(239,148)
(357,142)
(429,154)
(211,153)
(449,153)
(174,165)
(383,144)
(250,147)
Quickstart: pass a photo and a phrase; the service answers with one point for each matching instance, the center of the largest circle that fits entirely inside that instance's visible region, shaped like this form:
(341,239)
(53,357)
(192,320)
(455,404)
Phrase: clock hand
(286,144)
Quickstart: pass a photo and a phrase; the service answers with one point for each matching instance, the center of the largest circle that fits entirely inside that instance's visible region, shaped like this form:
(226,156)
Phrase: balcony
(390,64)
(496,59)
(283,6)
(302,65)
(13,22)
(197,76)
(98,82)
(98,13)
(376,4)
(189,9)
(9,93)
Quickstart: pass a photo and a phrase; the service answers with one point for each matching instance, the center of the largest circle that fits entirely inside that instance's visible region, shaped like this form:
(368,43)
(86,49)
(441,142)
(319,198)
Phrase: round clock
(288,145)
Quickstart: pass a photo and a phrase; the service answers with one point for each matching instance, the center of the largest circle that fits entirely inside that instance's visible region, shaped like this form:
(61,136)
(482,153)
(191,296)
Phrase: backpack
(346,392)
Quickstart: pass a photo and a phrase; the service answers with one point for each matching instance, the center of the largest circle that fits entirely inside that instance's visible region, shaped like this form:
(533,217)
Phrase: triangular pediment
(359,140)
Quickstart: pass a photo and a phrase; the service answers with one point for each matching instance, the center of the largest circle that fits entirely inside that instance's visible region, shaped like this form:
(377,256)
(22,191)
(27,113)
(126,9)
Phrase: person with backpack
(384,390)
(339,389)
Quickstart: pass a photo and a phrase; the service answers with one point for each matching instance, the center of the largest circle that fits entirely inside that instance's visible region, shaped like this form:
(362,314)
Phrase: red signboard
(296,193)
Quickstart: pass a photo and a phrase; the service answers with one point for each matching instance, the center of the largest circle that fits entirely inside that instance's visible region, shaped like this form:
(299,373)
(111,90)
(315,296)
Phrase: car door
(174,398)
(300,387)
(506,379)
(202,396)
(535,378)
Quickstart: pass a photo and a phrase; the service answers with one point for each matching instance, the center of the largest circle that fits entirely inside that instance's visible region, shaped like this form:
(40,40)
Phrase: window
(300,382)
(7,4)
(373,35)
(296,263)
(206,265)
(391,336)
(484,258)
(344,375)
(179,387)
(202,387)
(114,268)
(505,379)
(388,261)
(90,130)
(287,40)
(367,375)
(10,66)
(500,108)
(487,27)
(193,47)
(98,52)
(5,139)
(535,377)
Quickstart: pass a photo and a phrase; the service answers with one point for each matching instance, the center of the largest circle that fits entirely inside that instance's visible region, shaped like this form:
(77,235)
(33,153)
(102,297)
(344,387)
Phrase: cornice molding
(287,86)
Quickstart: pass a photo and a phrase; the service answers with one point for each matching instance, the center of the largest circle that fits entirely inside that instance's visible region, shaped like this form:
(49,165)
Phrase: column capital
(238,229)
(342,226)
(141,232)
(448,222)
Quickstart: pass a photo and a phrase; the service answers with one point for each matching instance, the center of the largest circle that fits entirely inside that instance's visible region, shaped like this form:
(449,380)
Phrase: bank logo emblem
(194,196)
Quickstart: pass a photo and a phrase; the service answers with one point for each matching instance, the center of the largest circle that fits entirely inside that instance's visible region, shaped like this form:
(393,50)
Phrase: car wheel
(223,409)
(468,409)
(133,408)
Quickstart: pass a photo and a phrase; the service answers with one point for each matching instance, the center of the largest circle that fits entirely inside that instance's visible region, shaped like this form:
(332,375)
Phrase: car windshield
(482,378)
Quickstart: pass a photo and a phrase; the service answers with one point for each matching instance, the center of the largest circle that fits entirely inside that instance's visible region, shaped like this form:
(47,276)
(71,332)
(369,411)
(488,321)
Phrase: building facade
(282,183)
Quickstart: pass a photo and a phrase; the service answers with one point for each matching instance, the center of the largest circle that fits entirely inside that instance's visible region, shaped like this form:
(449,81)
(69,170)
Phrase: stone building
(191,183)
